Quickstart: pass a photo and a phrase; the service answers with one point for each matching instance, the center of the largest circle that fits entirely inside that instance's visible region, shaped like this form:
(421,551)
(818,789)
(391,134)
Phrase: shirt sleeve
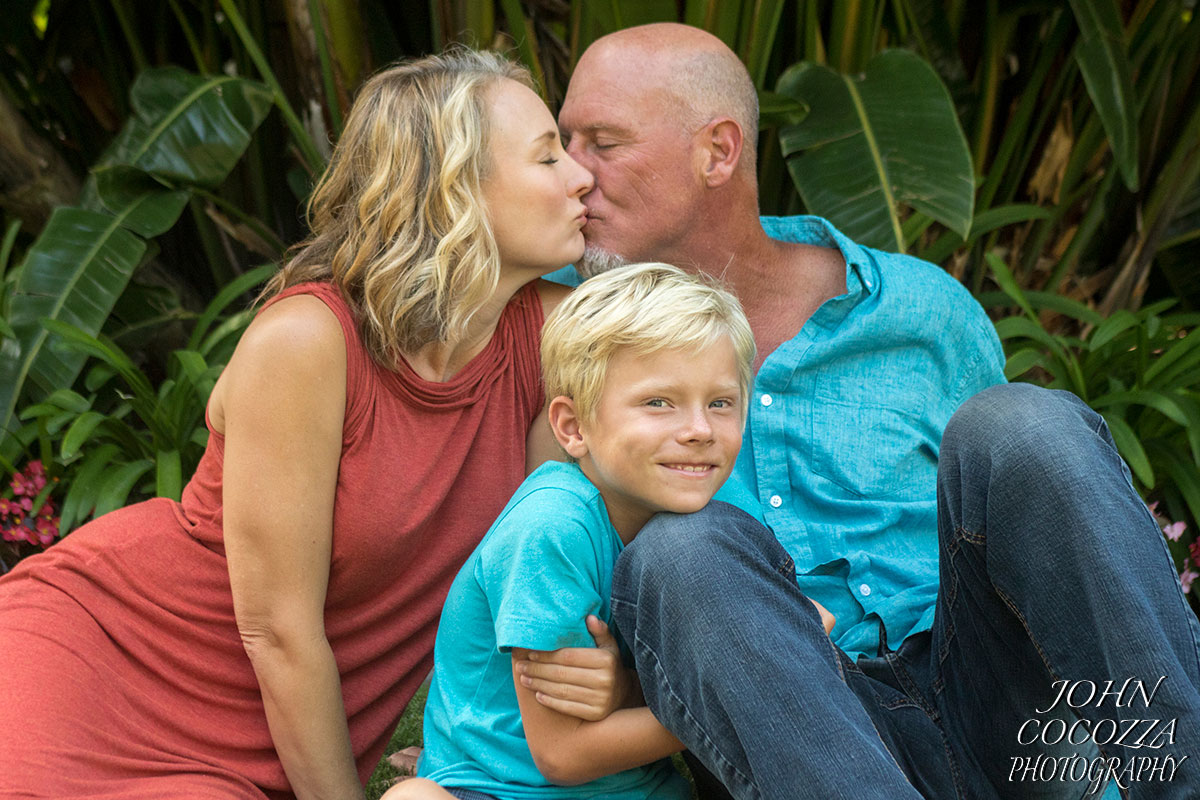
(985,368)
(540,572)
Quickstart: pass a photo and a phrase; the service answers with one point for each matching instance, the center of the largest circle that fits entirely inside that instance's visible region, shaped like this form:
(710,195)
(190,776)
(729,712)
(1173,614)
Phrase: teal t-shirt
(543,566)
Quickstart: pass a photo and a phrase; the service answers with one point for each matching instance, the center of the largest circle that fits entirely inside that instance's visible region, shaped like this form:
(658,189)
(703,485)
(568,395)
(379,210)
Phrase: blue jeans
(1054,579)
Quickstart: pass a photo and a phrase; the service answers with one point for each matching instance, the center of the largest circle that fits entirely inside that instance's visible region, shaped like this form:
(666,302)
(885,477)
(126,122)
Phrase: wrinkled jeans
(1051,569)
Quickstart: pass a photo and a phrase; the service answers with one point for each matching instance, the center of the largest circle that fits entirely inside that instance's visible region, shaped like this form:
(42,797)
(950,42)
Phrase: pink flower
(1194,549)
(1187,577)
(1174,530)
(35,469)
(12,534)
(20,484)
(46,531)
(8,506)
(1153,507)
(26,504)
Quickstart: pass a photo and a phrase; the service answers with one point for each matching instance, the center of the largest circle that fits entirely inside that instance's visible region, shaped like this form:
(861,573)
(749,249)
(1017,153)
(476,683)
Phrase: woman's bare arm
(281,403)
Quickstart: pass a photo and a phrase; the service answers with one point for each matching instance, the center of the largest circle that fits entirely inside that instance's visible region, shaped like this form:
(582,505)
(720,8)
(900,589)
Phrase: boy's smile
(666,432)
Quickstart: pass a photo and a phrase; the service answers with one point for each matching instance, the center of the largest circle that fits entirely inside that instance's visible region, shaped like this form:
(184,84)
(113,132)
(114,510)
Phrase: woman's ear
(565,423)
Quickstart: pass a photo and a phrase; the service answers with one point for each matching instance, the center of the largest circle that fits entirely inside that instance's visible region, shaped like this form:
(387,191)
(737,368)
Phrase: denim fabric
(1051,569)
(469,794)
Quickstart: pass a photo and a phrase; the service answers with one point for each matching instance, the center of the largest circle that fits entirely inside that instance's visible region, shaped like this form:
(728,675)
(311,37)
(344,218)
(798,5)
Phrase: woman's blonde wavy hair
(397,220)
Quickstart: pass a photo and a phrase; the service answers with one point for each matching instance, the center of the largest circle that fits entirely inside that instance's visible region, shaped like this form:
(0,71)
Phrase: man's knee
(1023,425)
(682,554)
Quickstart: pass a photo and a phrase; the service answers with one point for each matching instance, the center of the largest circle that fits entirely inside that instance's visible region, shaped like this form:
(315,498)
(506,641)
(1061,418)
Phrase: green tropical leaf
(168,474)
(1008,284)
(79,433)
(81,495)
(1161,402)
(73,272)
(1111,328)
(1131,449)
(1104,63)
(233,290)
(1021,362)
(149,208)
(1182,471)
(875,143)
(115,489)
(189,129)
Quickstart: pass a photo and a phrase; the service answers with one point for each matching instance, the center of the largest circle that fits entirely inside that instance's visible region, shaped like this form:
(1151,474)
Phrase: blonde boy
(647,371)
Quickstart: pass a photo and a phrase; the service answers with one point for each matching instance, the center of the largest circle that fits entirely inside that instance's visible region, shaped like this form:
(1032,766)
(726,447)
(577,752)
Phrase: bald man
(986,570)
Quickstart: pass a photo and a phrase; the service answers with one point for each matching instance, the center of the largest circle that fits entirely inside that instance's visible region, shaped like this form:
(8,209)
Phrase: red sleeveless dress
(122,674)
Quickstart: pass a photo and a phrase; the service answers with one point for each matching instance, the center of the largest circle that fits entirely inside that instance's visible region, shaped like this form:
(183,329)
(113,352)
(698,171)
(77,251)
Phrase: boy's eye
(723,403)
(656,402)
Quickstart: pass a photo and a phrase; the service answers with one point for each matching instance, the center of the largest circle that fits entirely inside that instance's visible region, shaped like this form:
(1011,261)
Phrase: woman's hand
(281,405)
(588,683)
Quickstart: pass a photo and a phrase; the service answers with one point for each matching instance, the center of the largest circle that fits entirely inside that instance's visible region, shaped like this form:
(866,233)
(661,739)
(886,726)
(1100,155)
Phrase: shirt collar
(862,273)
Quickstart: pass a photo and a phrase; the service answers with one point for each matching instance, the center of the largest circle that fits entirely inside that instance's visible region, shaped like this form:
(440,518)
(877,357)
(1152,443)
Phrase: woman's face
(533,188)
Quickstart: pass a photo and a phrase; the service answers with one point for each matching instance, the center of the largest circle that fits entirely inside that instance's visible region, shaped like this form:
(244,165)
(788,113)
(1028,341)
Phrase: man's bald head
(665,117)
(705,79)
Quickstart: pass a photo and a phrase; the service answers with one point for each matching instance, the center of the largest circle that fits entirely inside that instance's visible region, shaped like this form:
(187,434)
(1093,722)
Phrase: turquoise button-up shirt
(844,428)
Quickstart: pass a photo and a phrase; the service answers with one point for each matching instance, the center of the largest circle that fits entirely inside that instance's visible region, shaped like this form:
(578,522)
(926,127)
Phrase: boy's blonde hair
(647,307)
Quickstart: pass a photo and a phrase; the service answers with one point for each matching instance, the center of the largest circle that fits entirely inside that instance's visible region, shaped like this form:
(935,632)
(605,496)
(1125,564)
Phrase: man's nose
(577,151)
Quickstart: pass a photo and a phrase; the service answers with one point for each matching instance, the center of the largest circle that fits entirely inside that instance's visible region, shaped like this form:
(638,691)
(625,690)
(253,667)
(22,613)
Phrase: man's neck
(780,284)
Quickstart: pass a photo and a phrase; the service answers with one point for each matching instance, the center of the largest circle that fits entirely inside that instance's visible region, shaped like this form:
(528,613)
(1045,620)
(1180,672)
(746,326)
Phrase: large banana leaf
(874,143)
(74,272)
(187,130)
(1104,63)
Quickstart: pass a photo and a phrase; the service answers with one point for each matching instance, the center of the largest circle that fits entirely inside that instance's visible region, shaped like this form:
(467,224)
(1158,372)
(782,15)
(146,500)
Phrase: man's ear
(720,146)
(565,423)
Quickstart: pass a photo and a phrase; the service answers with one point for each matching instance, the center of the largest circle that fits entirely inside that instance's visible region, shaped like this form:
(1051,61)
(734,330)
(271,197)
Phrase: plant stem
(312,157)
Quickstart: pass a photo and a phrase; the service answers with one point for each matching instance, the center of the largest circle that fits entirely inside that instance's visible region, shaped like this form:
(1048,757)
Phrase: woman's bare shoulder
(295,344)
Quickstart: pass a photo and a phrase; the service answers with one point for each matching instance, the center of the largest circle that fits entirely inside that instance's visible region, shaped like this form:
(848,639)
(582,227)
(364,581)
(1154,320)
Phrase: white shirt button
(767,399)
(864,589)
(776,501)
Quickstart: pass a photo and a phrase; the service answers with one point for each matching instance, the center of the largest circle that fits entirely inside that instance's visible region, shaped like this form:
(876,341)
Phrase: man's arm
(570,751)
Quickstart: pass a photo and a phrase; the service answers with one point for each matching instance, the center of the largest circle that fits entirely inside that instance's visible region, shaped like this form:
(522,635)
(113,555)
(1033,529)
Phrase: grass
(408,733)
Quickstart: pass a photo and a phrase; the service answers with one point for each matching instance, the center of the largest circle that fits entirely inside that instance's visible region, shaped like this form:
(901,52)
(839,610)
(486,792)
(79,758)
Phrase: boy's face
(666,432)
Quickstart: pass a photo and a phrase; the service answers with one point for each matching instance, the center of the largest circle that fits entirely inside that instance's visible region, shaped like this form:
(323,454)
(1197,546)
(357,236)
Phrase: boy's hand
(827,619)
(588,683)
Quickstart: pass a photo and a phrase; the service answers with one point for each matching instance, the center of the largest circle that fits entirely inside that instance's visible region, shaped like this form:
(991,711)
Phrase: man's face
(618,125)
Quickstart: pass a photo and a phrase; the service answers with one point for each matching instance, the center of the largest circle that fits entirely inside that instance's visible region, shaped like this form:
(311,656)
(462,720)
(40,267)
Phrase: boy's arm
(569,751)
(584,682)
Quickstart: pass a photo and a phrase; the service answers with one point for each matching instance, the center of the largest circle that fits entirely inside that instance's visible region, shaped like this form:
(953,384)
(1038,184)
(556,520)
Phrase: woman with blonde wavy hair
(261,637)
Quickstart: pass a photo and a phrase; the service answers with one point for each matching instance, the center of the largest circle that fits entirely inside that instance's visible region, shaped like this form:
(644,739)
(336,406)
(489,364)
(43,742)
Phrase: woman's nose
(581,181)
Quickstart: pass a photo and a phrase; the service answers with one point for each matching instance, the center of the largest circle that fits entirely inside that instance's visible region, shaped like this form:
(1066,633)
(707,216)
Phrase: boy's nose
(697,428)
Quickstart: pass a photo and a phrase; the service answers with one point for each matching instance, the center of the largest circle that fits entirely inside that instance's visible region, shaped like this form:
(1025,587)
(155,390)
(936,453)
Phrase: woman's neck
(440,361)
